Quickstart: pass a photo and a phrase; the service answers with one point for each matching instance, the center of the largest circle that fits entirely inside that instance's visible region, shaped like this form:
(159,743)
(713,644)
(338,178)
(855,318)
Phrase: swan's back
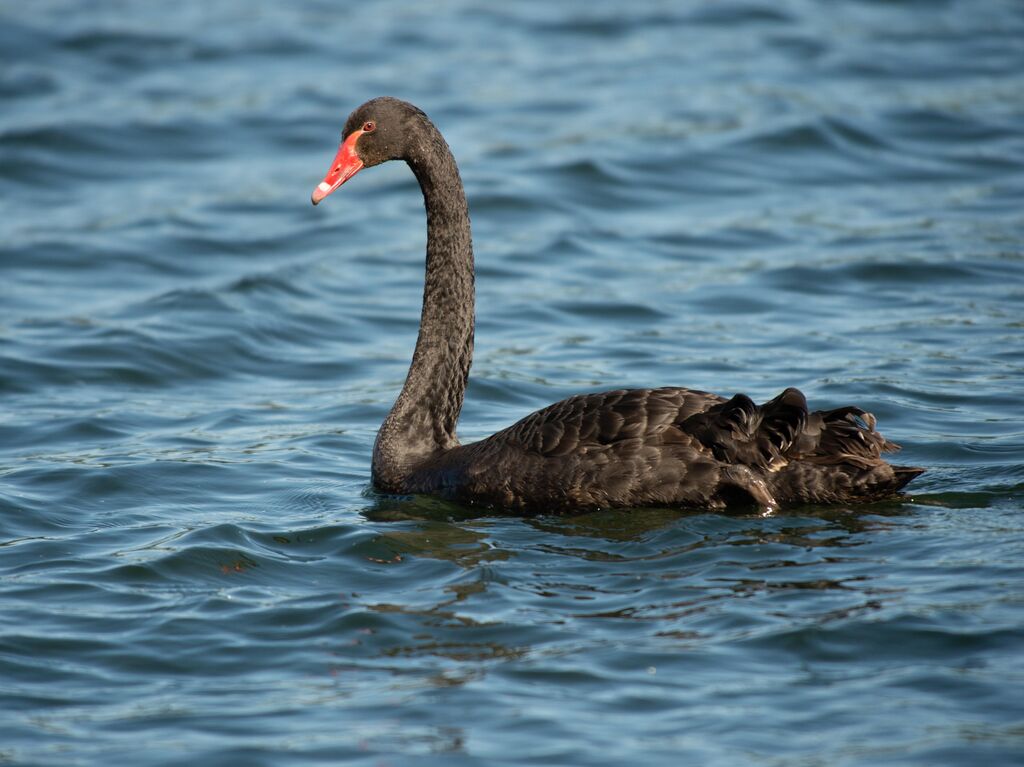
(670,447)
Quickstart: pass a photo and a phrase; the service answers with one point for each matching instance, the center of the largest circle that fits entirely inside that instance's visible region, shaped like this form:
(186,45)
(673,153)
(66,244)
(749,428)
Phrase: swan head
(382,129)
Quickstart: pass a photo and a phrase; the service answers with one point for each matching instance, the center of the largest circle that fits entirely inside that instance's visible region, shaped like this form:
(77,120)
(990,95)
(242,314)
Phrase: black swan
(624,448)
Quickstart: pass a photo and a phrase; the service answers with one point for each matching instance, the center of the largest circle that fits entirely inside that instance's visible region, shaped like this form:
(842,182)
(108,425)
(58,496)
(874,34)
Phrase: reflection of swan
(637,447)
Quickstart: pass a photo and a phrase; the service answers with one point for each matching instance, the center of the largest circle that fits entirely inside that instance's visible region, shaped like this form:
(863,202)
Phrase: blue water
(734,196)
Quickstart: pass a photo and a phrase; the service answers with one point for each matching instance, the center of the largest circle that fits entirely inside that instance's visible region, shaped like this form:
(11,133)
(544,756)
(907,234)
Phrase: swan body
(622,448)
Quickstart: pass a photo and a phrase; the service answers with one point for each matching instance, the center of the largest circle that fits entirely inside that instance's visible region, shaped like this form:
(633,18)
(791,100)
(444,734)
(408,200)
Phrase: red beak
(346,164)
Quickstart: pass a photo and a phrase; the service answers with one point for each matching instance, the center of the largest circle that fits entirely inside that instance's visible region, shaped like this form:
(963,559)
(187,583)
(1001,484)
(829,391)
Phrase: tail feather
(838,458)
(779,450)
(905,474)
(739,432)
(846,435)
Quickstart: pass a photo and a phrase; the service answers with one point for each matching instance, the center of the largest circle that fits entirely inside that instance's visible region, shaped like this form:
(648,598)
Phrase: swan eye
(369,127)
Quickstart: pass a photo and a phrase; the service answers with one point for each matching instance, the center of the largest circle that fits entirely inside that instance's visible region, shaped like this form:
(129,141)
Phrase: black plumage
(638,447)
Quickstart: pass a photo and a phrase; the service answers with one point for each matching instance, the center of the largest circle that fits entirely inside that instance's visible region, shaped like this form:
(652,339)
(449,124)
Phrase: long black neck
(422,422)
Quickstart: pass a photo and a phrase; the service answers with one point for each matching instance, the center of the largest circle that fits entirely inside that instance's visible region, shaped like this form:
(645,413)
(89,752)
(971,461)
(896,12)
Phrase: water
(736,196)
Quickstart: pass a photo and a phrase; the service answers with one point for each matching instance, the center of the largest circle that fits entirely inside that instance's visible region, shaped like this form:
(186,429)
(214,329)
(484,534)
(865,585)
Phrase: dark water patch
(890,276)
(805,48)
(727,238)
(604,27)
(939,126)
(63,430)
(121,357)
(635,313)
(726,301)
(188,301)
(49,151)
(27,81)
(598,184)
(507,205)
(906,639)
(731,13)
(123,47)
(828,134)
